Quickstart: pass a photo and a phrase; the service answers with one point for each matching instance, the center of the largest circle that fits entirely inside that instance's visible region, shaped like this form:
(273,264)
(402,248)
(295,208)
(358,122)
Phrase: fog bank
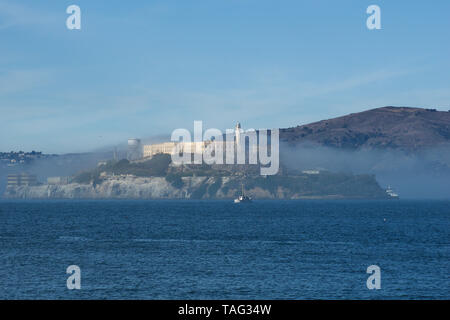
(425,174)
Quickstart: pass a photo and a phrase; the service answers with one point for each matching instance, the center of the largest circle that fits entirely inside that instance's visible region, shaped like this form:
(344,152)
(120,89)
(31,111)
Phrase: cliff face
(125,188)
(130,187)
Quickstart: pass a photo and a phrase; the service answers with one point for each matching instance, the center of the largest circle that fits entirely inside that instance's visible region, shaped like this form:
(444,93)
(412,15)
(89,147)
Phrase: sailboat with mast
(242,197)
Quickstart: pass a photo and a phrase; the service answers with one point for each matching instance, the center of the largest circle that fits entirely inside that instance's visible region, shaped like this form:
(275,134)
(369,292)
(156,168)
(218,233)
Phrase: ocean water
(220,250)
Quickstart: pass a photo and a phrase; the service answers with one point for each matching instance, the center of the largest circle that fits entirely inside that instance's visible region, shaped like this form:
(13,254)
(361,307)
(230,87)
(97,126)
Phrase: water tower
(134,149)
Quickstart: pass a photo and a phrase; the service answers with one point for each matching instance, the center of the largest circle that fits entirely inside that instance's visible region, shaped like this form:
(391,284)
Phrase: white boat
(391,193)
(242,197)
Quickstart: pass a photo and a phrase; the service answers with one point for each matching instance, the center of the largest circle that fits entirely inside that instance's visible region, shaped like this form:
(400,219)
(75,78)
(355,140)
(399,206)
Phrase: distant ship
(242,197)
(391,193)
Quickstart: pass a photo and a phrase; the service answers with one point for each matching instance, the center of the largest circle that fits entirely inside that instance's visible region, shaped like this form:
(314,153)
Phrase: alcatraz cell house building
(150,150)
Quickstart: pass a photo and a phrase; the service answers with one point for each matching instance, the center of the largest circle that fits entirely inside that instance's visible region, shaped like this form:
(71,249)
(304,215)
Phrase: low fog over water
(61,165)
(424,174)
(420,175)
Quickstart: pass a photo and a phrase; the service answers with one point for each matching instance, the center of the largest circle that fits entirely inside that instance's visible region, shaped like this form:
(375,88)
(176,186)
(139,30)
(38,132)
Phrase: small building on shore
(58,180)
(21,179)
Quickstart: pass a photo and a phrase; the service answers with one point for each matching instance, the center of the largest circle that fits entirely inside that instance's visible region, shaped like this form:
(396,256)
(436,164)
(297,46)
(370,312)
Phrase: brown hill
(409,129)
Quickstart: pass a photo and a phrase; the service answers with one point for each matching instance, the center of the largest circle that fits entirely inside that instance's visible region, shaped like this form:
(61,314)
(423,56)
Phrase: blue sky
(144,68)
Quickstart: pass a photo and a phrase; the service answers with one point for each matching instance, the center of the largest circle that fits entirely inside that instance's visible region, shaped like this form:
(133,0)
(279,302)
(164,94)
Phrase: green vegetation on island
(224,181)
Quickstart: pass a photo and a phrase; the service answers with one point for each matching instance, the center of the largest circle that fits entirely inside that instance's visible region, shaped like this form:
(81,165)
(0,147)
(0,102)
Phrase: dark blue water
(219,250)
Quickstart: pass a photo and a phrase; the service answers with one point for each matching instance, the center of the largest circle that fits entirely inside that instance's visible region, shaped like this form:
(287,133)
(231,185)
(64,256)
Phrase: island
(159,178)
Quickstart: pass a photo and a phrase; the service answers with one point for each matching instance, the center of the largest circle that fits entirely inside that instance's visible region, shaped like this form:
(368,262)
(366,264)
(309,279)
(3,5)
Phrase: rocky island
(157,178)
(399,142)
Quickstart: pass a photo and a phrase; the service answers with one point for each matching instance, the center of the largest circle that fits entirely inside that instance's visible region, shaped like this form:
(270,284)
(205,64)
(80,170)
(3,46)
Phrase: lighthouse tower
(237,133)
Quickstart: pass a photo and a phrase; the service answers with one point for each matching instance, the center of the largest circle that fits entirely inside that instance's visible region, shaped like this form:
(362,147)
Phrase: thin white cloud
(15,81)
(265,99)
(351,82)
(13,14)
(154,111)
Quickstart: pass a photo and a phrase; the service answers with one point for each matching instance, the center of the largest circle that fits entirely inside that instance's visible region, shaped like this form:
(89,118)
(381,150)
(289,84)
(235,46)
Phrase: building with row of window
(150,150)
(21,179)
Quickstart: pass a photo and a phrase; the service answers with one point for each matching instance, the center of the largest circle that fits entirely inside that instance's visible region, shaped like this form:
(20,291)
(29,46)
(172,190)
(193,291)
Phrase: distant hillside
(408,129)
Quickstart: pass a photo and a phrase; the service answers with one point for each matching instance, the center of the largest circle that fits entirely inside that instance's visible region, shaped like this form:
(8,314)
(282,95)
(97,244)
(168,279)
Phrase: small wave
(218,240)
(72,238)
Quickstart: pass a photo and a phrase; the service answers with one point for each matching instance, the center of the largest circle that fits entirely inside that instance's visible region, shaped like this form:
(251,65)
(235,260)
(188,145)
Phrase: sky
(145,68)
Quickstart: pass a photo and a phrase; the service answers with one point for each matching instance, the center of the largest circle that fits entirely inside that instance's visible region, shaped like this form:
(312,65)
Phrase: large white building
(191,147)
